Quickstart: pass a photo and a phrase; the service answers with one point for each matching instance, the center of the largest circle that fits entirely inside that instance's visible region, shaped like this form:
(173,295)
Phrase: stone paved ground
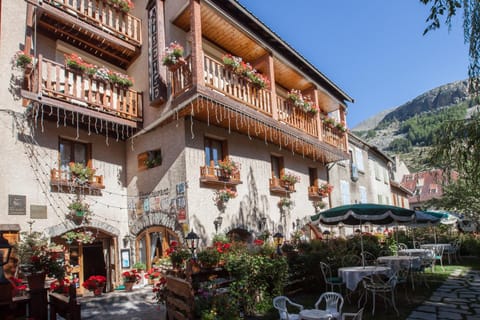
(135,305)
(457,298)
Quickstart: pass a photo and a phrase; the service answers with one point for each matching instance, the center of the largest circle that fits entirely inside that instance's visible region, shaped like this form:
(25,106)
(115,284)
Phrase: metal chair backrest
(369,258)
(280,303)
(351,260)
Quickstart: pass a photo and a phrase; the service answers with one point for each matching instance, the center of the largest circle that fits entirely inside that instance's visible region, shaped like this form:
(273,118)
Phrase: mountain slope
(410,129)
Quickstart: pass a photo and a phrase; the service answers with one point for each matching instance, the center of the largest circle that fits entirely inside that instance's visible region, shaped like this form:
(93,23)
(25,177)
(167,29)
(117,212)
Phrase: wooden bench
(66,306)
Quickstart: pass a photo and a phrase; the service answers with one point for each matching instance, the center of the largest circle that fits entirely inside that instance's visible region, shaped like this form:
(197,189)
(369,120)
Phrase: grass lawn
(406,298)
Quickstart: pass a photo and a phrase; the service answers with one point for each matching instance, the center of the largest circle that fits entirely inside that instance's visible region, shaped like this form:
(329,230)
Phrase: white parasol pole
(361,244)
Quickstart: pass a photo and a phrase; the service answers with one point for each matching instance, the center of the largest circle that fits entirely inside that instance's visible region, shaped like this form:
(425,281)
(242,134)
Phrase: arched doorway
(88,251)
(152,243)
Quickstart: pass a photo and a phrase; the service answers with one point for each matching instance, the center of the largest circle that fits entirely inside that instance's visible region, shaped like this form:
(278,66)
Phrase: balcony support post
(273,89)
(196,38)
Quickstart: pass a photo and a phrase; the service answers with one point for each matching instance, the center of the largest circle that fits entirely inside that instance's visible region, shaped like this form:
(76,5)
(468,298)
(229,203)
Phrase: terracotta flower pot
(129,286)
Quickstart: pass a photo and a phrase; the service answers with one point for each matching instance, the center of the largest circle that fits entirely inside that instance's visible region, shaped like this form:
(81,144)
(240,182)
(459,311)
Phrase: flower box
(173,56)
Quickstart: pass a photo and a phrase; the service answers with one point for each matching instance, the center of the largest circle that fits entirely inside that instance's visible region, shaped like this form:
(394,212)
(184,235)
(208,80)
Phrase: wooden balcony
(280,186)
(93,25)
(222,80)
(217,176)
(53,84)
(296,117)
(62,181)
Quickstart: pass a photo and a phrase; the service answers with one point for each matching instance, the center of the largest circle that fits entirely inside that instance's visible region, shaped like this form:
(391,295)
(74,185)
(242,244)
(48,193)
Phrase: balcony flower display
(21,59)
(303,102)
(340,126)
(81,174)
(245,70)
(230,167)
(325,189)
(95,283)
(290,178)
(124,5)
(60,286)
(75,62)
(79,236)
(223,195)
(173,55)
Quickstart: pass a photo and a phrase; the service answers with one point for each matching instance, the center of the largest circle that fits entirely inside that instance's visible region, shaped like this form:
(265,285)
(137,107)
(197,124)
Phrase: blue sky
(374,50)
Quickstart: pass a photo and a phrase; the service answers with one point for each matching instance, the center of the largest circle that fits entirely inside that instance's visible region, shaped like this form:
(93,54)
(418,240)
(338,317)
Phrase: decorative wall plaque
(17,204)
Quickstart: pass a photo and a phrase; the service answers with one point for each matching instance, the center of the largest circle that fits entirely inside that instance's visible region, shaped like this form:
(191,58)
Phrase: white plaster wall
(254,198)
(379,187)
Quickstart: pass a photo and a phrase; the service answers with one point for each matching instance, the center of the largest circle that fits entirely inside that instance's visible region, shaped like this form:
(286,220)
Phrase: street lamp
(218,223)
(262,223)
(192,239)
(5,250)
(278,239)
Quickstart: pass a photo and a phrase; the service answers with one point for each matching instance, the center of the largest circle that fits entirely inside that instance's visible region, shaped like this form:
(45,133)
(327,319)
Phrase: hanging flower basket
(173,56)
(325,189)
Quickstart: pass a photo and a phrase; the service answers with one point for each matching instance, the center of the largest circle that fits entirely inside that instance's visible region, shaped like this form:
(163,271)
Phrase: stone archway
(61,228)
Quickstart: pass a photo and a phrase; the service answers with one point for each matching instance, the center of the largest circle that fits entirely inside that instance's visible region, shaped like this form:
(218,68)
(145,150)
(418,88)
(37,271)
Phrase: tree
(457,150)
(471,30)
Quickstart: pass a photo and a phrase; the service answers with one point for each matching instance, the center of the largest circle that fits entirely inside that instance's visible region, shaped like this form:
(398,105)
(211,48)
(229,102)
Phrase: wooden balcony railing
(333,135)
(54,80)
(222,79)
(296,117)
(278,185)
(105,16)
(215,175)
(63,178)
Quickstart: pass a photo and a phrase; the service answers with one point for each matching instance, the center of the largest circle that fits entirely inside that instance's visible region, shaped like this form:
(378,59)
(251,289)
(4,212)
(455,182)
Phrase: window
(313,176)
(379,198)
(377,171)
(363,194)
(214,151)
(277,166)
(345,191)
(359,159)
(385,175)
(73,151)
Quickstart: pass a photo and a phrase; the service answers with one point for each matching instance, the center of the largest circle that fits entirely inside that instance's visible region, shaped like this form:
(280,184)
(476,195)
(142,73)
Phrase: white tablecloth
(353,275)
(446,246)
(400,262)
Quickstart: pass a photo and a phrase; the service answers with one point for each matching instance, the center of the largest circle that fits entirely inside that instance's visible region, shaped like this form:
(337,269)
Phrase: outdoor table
(422,253)
(446,246)
(353,275)
(315,314)
(400,262)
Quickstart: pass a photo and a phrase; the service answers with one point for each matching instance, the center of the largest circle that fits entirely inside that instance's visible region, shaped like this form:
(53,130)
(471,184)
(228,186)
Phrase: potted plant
(209,257)
(325,189)
(178,255)
(81,174)
(124,5)
(95,283)
(229,167)
(285,203)
(223,195)
(173,56)
(130,278)
(61,286)
(22,60)
(79,212)
(37,259)
(290,178)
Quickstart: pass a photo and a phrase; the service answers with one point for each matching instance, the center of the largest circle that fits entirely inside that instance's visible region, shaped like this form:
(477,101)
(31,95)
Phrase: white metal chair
(378,287)
(438,256)
(333,302)
(281,303)
(402,246)
(353,316)
(329,279)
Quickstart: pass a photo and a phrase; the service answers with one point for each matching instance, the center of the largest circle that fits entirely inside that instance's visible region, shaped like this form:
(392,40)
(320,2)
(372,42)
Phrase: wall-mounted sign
(17,204)
(38,212)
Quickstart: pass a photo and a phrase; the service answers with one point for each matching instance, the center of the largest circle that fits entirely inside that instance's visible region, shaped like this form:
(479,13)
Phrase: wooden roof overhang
(64,113)
(91,38)
(213,108)
(235,30)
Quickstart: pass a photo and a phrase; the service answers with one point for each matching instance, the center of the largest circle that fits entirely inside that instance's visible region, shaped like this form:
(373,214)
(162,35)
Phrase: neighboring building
(425,186)
(365,178)
(157,146)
